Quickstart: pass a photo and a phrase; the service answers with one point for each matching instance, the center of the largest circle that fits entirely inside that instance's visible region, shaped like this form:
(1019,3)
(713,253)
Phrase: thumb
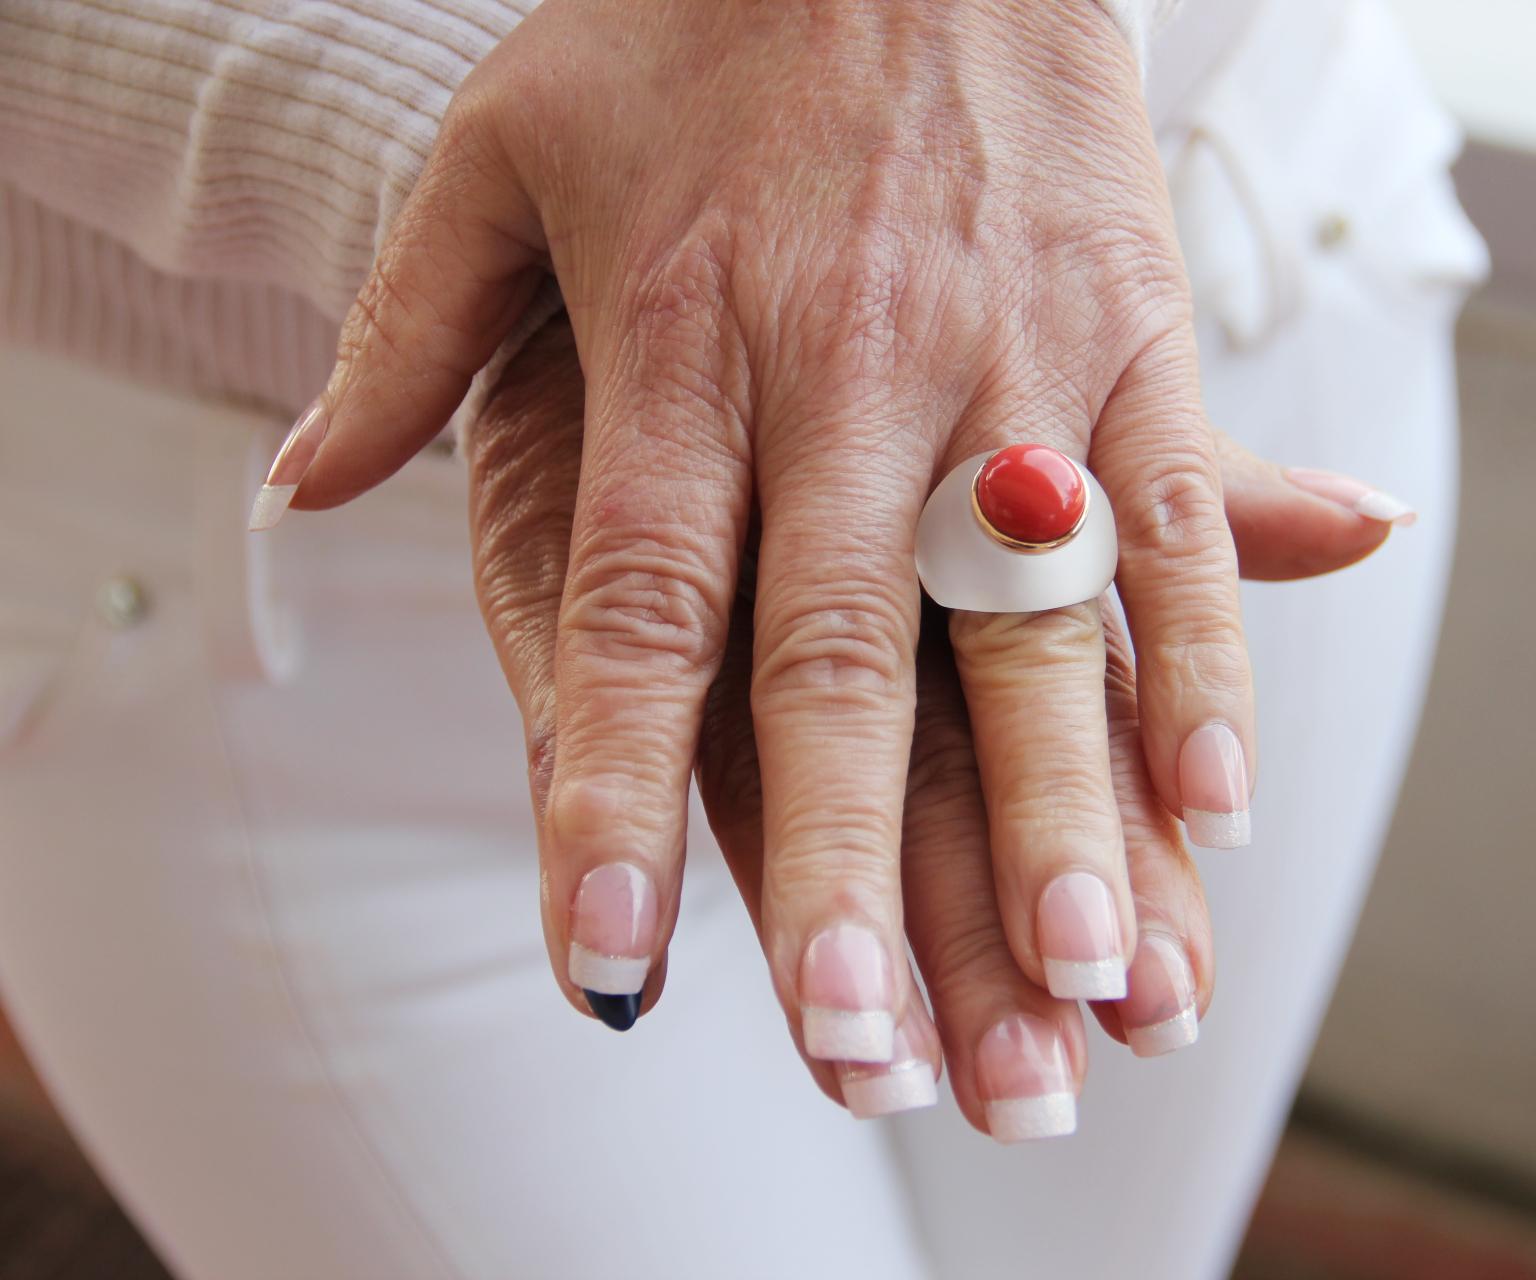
(1291,523)
(454,274)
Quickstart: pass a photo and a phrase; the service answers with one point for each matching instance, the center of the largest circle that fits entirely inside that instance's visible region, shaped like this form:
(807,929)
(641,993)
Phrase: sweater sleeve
(261,140)
(194,190)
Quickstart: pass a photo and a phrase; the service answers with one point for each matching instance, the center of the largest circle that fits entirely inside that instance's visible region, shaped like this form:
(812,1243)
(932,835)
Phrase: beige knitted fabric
(191,191)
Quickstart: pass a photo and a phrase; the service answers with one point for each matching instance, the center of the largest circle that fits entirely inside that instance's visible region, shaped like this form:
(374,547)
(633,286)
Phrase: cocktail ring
(1017,531)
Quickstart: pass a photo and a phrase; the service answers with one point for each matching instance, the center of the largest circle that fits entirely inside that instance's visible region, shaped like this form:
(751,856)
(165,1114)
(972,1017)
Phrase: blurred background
(1412,1148)
(1411,1154)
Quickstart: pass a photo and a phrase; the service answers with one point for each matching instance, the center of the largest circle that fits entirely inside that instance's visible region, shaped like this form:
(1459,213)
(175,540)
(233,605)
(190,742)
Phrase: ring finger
(1017,1056)
(1034,684)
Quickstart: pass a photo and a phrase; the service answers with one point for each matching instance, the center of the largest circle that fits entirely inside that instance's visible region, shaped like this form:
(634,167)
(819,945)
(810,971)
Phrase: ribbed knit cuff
(193,194)
(260,143)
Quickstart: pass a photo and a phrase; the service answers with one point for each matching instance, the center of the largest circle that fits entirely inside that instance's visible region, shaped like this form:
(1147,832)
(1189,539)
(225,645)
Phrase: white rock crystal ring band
(1020,530)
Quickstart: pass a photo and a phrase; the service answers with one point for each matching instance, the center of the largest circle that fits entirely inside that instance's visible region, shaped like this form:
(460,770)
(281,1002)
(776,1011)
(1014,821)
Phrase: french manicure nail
(871,1090)
(846,994)
(1213,788)
(613,933)
(1158,1013)
(288,467)
(1079,934)
(1026,1081)
(1348,492)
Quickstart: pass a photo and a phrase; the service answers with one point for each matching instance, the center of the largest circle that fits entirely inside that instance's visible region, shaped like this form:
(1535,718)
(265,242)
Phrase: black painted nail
(618,1012)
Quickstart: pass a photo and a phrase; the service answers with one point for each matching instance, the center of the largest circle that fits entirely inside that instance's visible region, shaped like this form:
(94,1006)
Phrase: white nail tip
(1178,1032)
(606,975)
(1086,979)
(1383,506)
(270,505)
(1028,1119)
(909,1087)
(845,1035)
(1218,830)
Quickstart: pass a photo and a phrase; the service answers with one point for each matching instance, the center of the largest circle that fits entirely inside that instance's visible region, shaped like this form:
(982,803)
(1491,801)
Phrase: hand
(823,252)
(1007,1040)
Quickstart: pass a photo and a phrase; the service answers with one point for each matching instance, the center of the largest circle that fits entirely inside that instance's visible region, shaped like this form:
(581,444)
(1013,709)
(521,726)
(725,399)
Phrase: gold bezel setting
(1028,548)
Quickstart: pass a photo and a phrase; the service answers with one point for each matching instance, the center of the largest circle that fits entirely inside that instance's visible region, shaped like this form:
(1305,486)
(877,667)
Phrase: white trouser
(274,943)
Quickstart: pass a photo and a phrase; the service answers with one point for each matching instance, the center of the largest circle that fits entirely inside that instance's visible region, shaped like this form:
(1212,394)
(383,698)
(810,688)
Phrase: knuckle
(836,829)
(1002,648)
(632,595)
(588,808)
(1177,512)
(1063,812)
(1205,656)
(676,297)
(677,290)
(846,867)
(854,643)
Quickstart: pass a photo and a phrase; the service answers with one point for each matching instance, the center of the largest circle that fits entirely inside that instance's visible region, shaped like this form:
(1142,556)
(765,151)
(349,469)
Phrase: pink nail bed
(1025,1080)
(1348,492)
(1078,928)
(613,930)
(1213,788)
(846,995)
(1158,1012)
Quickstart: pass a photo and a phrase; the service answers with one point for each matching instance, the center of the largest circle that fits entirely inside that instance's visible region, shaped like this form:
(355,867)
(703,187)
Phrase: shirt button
(122,602)
(1333,230)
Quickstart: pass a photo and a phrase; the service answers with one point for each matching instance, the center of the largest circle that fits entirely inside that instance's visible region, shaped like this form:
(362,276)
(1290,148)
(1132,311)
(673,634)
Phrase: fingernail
(1026,1081)
(288,467)
(1158,1012)
(1079,932)
(613,933)
(907,1084)
(1213,787)
(617,1012)
(846,993)
(1360,498)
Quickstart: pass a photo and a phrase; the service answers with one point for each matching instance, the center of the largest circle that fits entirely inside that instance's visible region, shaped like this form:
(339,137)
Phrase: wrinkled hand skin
(862,217)
(815,253)
(524,453)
